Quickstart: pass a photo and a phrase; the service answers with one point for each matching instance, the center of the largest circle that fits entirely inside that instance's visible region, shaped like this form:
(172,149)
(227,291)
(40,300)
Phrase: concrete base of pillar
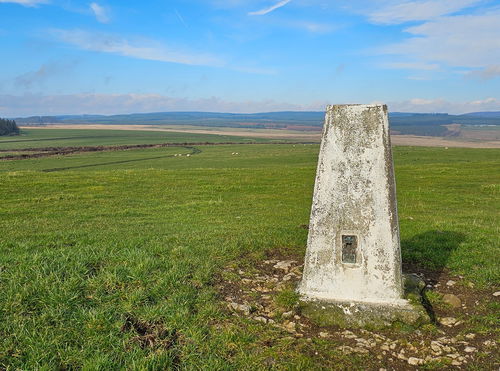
(370,315)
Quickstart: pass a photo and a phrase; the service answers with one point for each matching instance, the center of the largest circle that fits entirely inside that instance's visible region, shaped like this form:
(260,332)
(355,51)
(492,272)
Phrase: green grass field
(38,138)
(91,240)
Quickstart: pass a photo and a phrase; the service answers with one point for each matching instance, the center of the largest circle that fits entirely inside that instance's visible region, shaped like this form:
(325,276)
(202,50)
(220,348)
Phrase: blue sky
(69,57)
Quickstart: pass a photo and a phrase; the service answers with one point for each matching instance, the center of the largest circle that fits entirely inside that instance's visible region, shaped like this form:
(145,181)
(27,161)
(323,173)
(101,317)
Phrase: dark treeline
(8,127)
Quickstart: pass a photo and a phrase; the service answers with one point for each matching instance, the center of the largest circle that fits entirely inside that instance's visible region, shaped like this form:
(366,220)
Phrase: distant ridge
(401,122)
(189,115)
(491,114)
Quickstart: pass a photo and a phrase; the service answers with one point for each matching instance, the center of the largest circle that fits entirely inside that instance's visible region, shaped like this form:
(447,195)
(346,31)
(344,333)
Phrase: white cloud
(305,25)
(30,104)
(444,106)
(271,8)
(29,3)
(140,49)
(314,27)
(455,41)
(99,12)
(412,66)
(400,12)
(486,73)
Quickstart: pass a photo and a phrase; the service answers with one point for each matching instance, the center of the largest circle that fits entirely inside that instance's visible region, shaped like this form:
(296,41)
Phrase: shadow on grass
(428,254)
(430,251)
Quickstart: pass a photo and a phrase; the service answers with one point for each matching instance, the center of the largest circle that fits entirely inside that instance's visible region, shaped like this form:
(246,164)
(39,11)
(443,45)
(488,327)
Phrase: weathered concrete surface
(357,314)
(354,200)
(373,315)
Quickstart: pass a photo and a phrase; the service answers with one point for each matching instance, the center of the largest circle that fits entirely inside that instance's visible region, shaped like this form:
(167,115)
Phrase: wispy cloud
(181,19)
(487,73)
(270,9)
(99,12)
(400,12)
(445,106)
(139,48)
(37,104)
(29,3)
(314,27)
(458,41)
(147,49)
(412,66)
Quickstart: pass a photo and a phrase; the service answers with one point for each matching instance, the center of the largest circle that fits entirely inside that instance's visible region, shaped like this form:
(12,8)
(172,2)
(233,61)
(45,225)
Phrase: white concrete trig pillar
(353,251)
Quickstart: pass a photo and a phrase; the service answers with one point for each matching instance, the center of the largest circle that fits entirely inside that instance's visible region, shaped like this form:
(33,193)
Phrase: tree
(8,127)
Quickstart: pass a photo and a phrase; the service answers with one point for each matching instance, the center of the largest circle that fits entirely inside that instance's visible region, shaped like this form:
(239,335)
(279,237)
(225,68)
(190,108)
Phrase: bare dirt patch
(152,335)
(265,292)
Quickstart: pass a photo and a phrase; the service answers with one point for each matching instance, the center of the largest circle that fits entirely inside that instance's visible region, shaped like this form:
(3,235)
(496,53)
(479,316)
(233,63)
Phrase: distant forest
(8,127)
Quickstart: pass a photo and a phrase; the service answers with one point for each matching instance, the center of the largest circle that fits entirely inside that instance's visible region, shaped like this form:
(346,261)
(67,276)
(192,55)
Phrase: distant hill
(276,120)
(493,114)
(401,122)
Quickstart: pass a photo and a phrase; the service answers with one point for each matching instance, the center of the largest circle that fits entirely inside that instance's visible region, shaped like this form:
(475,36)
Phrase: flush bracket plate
(350,253)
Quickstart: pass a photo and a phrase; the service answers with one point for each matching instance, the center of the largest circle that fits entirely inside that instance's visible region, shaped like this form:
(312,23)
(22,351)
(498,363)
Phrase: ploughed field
(150,258)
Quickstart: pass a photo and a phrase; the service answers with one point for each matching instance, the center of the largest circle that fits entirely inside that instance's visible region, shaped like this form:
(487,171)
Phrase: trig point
(353,258)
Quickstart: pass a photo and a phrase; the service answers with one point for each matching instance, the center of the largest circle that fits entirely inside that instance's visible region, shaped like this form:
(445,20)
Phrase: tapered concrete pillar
(353,251)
